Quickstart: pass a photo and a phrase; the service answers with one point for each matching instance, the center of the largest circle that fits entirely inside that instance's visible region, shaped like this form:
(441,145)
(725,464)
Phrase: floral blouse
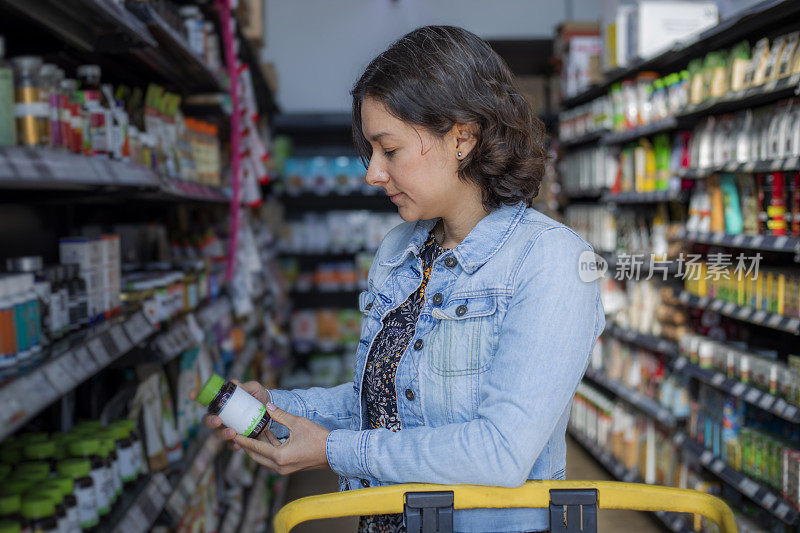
(379,390)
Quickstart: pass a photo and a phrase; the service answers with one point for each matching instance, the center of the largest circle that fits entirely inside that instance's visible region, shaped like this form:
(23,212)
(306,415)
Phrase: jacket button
(450,262)
(410,395)
(461,310)
(438,298)
(365,483)
(419,344)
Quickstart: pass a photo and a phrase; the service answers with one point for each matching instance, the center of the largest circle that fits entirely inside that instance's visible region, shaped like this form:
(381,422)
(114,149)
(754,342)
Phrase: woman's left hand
(303,450)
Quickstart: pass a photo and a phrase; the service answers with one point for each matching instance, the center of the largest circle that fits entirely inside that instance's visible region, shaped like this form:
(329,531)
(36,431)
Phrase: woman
(477,327)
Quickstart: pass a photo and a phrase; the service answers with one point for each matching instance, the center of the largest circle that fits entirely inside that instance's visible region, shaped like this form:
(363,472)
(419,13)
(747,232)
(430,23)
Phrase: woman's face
(417,170)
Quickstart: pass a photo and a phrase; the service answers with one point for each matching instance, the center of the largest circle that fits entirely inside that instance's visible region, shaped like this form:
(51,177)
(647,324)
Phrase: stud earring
(459,155)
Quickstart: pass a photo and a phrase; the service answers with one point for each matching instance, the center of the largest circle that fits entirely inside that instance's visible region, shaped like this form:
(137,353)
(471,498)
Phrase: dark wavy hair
(437,76)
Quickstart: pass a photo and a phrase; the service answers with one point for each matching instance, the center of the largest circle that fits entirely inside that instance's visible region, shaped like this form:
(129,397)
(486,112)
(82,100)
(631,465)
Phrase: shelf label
(69,362)
(743,313)
(194,330)
(717,237)
(781,241)
(718,466)
(729,308)
(790,412)
(87,363)
(703,301)
(138,327)
(62,381)
(774,321)
(680,362)
(738,389)
(759,316)
(738,239)
(770,86)
(718,379)
(748,487)
(792,163)
(779,406)
(684,297)
(756,241)
(782,510)
(766,401)
(793,325)
(120,339)
(706,457)
(664,346)
(99,351)
(750,166)
(768,500)
(752,396)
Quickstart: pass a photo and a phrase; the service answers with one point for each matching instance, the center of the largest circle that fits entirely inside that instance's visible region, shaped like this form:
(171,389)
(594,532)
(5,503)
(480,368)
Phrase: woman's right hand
(255,389)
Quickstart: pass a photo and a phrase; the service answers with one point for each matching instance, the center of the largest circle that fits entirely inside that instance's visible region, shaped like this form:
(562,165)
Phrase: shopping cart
(573,504)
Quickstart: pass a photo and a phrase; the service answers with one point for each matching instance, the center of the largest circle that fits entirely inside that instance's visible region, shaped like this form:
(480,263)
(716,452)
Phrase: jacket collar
(485,239)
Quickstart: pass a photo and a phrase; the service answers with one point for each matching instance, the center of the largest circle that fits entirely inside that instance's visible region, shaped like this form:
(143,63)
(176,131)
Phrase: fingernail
(230,433)
(271,406)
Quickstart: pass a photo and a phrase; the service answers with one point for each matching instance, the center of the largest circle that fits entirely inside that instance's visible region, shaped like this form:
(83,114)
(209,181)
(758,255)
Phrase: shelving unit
(772,165)
(764,496)
(769,243)
(650,197)
(672,521)
(758,317)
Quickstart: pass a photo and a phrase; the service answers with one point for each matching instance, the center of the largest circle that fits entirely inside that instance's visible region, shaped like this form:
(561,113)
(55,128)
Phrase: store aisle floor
(580,465)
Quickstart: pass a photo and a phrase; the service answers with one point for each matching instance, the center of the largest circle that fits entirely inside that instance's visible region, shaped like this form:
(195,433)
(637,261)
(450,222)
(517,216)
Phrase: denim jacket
(506,332)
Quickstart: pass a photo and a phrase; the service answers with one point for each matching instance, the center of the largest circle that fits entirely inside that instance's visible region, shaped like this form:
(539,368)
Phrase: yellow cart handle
(611,495)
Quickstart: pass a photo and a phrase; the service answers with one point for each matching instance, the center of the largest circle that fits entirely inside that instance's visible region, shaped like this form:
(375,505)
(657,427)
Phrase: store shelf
(650,342)
(769,243)
(771,165)
(644,197)
(641,402)
(319,299)
(751,395)
(333,202)
(745,314)
(586,194)
(762,17)
(622,137)
(753,97)
(89,25)
(71,362)
(587,138)
(764,496)
(46,169)
(672,521)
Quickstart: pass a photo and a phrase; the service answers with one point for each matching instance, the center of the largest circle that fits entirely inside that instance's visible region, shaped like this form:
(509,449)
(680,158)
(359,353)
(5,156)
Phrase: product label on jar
(73,519)
(242,412)
(101,495)
(128,464)
(88,503)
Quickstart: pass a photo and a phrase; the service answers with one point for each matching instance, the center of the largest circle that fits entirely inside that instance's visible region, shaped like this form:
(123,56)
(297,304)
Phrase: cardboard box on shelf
(534,89)
(251,17)
(656,25)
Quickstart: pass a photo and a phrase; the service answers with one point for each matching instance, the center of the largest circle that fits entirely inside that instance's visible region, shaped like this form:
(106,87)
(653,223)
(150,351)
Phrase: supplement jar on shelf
(29,110)
(89,449)
(236,407)
(40,512)
(125,458)
(41,451)
(78,470)
(10,505)
(109,454)
(57,499)
(10,526)
(66,487)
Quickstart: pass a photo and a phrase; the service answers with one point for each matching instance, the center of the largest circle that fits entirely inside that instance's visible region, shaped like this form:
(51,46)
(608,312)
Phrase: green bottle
(8,130)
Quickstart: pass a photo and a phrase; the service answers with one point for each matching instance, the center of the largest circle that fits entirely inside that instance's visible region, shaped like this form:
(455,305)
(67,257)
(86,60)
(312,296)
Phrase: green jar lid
(35,507)
(84,447)
(9,504)
(210,389)
(51,493)
(74,468)
(15,486)
(64,483)
(119,432)
(94,424)
(9,526)
(4,470)
(39,450)
(36,436)
(34,469)
(105,446)
(11,453)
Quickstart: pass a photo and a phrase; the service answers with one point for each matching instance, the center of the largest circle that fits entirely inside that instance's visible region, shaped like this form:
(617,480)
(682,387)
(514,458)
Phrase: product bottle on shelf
(8,131)
(27,100)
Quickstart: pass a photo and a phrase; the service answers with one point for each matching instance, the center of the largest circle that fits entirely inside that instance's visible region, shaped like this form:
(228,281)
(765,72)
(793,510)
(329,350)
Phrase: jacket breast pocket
(459,351)
(462,343)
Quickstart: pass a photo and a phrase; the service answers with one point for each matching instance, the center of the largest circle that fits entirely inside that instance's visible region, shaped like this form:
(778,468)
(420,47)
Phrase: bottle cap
(34,507)
(119,431)
(9,526)
(65,484)
(84,447)
(210,389)
(74,468)
(39,450)
(9,504)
